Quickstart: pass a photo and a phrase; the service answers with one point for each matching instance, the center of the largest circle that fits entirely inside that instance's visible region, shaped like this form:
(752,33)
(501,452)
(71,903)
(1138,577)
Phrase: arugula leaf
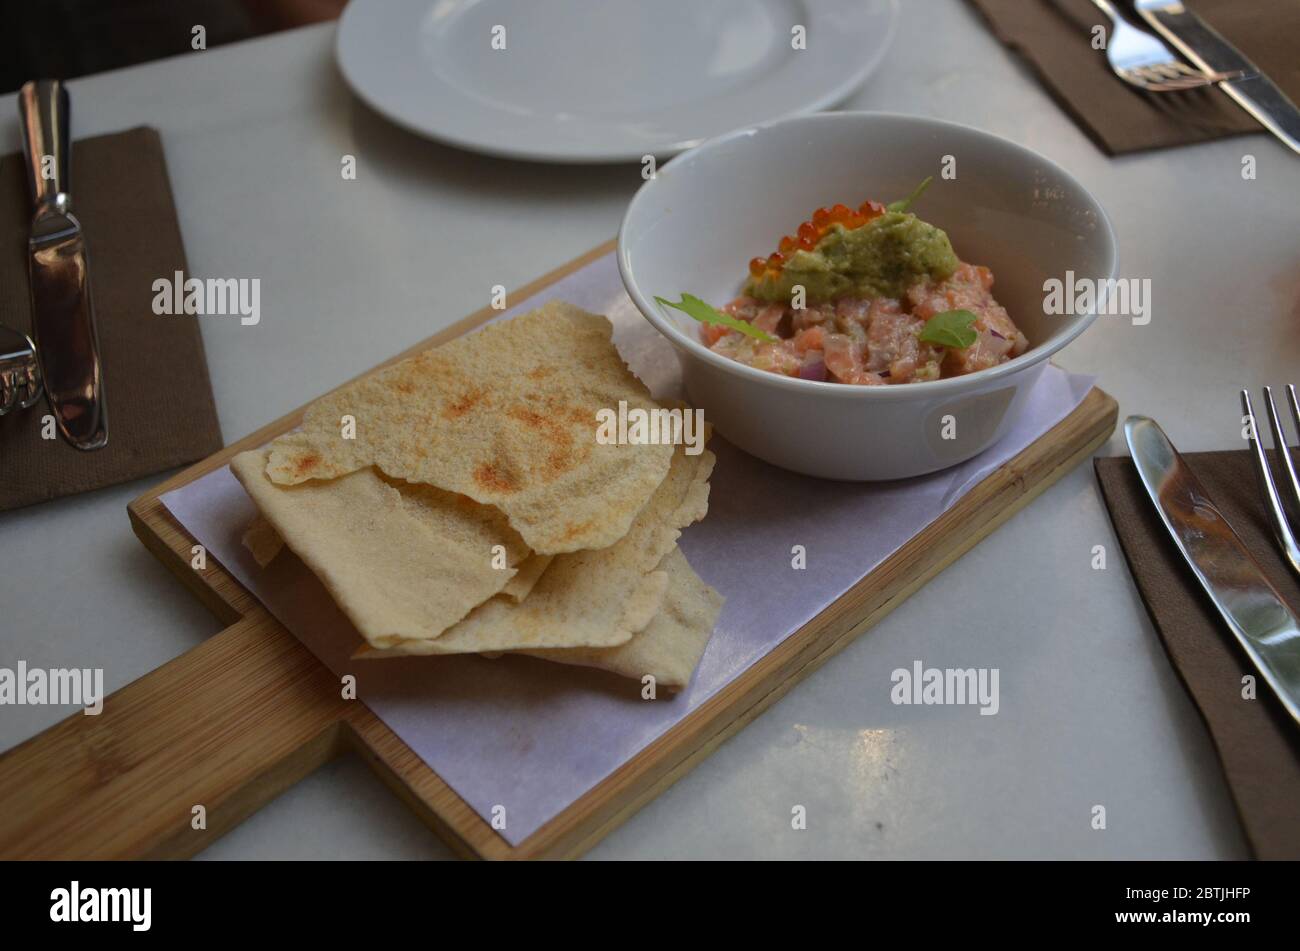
(906,203)
(952,328)
(692,306)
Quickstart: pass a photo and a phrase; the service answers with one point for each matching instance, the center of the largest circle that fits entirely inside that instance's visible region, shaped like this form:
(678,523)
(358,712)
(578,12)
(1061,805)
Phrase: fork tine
(1295,406)
(1281,447)
(1131,77)
(1188,78)
(1165,78)
(1141,77)
(1290,459)
(1178,68)
(1178,85)
(1172,86)
(1276,513)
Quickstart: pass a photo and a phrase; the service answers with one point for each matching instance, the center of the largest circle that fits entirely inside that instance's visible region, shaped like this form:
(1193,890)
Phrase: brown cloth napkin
(159,398)
(1055,36)
(1257,742)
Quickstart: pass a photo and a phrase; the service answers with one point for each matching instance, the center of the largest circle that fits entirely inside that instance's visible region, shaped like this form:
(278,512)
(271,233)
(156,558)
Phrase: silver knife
(1251,607)
(1254,91)
(63,320)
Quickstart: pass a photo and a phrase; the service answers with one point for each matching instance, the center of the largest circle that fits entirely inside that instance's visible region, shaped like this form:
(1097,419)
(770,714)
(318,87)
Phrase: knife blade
(1255,613)
(63,318)
(1209,51)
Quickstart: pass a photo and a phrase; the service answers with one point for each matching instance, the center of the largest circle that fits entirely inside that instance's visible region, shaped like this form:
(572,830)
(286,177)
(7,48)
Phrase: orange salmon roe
(810,232)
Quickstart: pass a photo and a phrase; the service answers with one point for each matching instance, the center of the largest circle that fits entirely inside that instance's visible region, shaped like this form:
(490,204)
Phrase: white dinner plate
(603,80)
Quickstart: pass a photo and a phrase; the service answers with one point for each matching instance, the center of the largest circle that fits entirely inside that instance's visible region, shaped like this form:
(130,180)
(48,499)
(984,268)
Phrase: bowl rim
(919,390)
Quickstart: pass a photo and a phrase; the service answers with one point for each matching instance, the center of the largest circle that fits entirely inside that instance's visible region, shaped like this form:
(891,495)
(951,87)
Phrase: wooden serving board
(249,712)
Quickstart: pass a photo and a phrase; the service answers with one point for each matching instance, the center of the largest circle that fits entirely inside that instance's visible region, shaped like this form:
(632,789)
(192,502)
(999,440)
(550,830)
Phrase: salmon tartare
(871,297)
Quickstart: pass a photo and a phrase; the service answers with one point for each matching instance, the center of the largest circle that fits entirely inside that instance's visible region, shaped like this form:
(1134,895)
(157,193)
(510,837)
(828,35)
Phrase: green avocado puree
(882,258)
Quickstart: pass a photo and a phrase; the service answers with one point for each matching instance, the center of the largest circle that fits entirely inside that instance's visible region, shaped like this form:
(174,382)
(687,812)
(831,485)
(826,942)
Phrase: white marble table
(1091,711)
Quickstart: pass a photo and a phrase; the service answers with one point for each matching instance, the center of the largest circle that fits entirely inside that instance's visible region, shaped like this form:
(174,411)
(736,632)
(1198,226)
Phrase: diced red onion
(813,370)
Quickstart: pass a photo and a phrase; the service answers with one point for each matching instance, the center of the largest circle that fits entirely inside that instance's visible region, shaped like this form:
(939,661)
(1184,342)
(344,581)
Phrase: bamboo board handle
(227,726)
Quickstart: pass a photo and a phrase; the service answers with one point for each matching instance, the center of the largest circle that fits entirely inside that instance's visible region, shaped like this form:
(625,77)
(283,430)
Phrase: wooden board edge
(87,787)
(148,522)
(427,794)
(225,815)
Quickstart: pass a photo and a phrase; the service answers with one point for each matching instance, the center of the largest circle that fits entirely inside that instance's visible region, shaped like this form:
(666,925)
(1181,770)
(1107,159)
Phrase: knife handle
(44,111)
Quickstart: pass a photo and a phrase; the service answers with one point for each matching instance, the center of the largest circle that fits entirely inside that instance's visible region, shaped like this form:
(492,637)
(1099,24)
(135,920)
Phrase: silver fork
(1276,511)
(1142,60)
(20,377)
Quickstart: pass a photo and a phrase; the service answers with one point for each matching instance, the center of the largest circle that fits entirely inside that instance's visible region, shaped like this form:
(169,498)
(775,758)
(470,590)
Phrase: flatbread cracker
(589,598)
(401,561)
(506,416)
(526,577)
(265,543)
(670,647)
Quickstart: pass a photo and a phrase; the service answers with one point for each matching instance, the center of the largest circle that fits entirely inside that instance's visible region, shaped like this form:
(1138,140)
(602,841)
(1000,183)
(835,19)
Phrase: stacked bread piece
(460,501)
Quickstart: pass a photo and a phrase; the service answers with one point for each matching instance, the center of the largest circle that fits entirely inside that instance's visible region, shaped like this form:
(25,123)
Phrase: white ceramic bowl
(694,227)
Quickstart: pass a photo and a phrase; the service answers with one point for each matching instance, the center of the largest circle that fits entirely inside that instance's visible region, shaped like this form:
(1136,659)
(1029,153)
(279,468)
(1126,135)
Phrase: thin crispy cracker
(400,560)
(530,571)
(589,598)
(670,647)
(506,416)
